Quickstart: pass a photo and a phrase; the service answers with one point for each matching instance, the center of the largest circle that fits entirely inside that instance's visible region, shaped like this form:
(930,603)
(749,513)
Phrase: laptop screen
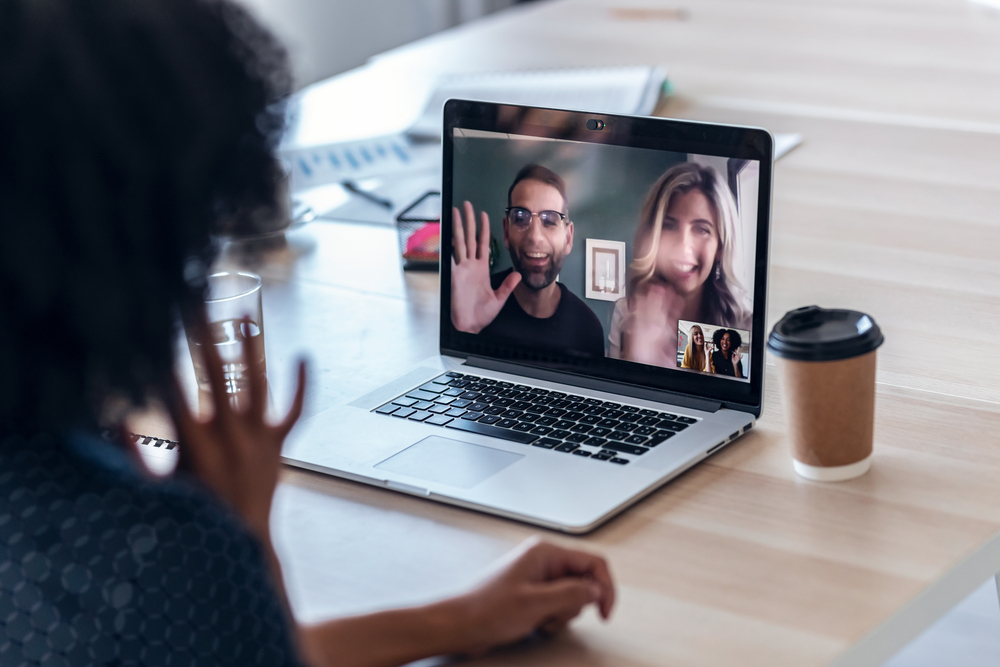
(606,255)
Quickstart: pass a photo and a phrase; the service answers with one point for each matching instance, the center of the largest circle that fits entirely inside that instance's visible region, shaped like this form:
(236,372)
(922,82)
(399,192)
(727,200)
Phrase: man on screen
(539,235)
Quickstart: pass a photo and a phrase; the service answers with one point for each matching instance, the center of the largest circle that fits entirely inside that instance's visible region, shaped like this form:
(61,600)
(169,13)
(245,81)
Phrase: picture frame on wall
(605,269)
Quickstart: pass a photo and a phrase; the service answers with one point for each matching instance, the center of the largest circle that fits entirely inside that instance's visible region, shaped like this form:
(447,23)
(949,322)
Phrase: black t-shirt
(573,329)
(724,366)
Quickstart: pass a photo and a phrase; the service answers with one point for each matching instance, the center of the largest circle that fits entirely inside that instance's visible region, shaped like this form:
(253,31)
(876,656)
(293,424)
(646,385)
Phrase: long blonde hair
(725,300)
(692,353)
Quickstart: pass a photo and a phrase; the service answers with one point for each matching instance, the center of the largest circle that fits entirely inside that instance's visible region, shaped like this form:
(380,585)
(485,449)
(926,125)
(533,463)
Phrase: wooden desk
(891,206)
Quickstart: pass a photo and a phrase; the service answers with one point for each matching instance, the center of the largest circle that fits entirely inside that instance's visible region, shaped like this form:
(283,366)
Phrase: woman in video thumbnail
(725,358)
(695,357)
(683,269)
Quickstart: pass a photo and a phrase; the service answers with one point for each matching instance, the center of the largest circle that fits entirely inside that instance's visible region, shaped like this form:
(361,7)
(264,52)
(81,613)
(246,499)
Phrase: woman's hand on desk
(542,589)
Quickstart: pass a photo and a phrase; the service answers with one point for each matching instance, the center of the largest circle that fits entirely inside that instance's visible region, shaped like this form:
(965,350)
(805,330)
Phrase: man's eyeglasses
(520,217)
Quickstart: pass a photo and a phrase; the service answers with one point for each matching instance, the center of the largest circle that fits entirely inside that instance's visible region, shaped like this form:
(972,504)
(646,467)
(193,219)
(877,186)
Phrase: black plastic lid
(817,334)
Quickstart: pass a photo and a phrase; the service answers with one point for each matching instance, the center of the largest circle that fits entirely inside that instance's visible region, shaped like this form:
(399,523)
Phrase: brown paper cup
(831,415)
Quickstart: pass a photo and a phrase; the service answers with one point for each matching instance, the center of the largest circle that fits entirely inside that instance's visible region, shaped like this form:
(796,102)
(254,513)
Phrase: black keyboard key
(559,404)
(444,400)
(405,402)
(686,420)
(529,417)
(461,403)
(600,432)
(478,406)
(537,409)
(592,401)
(649,421)
(422,405)
(589,419)
(581,428)
(489,419)
(581,452)
(611,406)
(521,405)
(566,447)
(507,423)
(487,381)
(608,423)
(626,449)
(454,392)
(491,390)
(644,430)
(453,374)
(475,386)
(494,410)
(523,427)
(403,412)
(594,410)
(419,416)
(502,402)
(557,394)
(659,437)
(613,414)
(433,388)
(538,391)
(472,416)
(522,387)
(542,430)
(487,429)
(595,442)
(386,409)
(619,461)
(547,443)
(672,426)
(646,412)
(631,417)
(561,434)
(574,415)
(455,412)
(629,408)
(555,412)
(619,435)
(564,423)
(578,406)
(422,395)
(513,414)
(460,383)
(505,385)
(509,393)
(576,437)
(438,409)
(667,415)
(601,456)
(471,395)
(637,440)
(546,421)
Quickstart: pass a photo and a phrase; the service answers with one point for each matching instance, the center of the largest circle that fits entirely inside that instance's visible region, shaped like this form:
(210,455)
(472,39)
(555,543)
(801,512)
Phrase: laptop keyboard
(565,423)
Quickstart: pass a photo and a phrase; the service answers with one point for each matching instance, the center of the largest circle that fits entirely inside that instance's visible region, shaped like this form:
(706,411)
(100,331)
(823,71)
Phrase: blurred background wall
(327,37)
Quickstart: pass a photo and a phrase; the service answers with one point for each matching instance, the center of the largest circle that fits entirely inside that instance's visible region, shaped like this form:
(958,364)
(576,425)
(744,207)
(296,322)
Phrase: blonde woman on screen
(695,356)
(683,267)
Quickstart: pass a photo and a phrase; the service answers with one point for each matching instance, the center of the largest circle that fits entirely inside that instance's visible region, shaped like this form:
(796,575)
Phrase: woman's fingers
(563,600)
(212,363)
(593,568)
(470,231)
(296,410)
(458,236)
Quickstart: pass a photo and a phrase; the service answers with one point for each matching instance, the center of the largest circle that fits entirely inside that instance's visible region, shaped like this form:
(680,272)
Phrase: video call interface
(595,250)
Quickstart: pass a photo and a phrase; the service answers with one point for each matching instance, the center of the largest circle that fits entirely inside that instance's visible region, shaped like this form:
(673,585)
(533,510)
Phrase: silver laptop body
(509,422)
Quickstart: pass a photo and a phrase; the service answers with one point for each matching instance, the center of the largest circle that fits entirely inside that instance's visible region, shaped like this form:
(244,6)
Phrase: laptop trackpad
(449,462)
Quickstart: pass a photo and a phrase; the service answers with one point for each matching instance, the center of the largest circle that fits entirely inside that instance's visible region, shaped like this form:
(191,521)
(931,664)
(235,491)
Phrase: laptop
(603,300)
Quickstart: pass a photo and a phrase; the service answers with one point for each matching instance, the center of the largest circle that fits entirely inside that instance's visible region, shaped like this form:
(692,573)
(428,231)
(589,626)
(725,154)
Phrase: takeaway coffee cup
(826,359)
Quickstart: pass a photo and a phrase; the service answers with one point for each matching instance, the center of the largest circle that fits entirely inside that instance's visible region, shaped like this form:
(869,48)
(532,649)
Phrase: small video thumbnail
(714,350)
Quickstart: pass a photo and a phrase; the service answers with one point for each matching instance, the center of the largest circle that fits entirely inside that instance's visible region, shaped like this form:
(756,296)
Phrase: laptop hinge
(610,386)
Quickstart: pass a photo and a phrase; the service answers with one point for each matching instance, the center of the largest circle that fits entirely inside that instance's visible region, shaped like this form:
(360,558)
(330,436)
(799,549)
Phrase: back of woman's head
(127,128)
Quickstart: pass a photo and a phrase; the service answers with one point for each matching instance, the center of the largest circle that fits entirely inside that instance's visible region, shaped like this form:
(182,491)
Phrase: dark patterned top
(100,564)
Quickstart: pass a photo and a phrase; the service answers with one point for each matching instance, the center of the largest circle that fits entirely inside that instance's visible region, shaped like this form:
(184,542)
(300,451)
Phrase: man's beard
(533,280)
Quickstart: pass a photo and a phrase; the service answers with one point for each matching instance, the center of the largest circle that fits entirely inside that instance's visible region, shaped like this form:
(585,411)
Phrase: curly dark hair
(734,338)
(128,129)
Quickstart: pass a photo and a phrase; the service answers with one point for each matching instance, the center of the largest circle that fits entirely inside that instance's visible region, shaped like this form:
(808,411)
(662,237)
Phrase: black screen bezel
(640,132)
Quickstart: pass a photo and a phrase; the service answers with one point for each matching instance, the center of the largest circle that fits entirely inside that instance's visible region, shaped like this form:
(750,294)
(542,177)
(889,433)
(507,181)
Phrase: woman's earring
(718,271)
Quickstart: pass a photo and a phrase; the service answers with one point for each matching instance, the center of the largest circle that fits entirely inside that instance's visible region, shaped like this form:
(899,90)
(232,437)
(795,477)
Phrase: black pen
(351,186)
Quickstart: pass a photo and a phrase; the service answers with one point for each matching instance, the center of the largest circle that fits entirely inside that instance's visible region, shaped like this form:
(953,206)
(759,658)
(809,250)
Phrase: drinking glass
(236,329)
